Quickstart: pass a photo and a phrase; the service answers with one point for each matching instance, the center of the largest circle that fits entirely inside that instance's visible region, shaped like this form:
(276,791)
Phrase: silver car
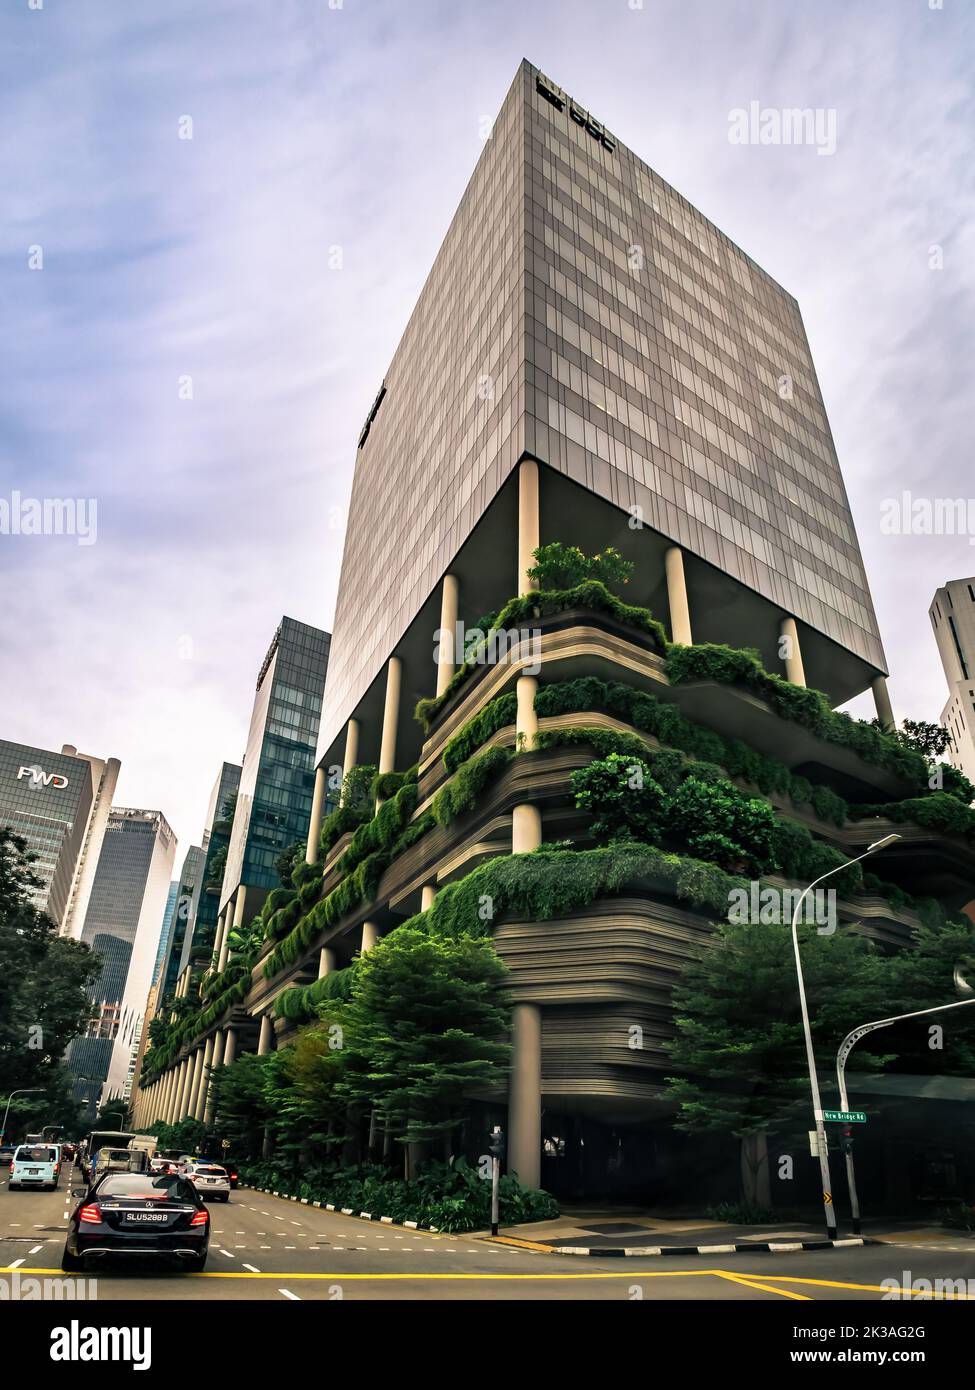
(210,1180)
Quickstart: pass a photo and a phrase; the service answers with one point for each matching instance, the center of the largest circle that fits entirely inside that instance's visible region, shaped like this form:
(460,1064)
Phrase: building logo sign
(577,113)
(38,778)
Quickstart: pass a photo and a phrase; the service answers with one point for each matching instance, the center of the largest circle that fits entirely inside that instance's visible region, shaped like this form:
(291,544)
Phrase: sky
(217,218)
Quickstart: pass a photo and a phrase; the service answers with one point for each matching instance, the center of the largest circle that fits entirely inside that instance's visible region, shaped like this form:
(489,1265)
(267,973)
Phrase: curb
(346,1211)
(761,1247)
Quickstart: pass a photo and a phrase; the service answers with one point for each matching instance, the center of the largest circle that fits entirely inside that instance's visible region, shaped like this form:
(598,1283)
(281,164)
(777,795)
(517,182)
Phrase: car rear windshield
(24,1155)
(164,1186)
(211,1171)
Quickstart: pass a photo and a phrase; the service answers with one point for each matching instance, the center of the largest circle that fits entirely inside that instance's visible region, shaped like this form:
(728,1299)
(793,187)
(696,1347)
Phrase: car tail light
(92,1212)
(200,1218)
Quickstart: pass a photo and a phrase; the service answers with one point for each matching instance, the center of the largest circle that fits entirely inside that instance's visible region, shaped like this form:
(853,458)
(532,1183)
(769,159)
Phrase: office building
(59,803)
(952,614)
(123,924)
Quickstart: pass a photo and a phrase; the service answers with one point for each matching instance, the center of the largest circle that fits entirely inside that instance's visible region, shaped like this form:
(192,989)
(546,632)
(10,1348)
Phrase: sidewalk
(636,1231)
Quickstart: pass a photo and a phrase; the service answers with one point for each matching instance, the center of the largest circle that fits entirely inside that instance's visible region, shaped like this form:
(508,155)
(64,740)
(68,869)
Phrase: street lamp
(828,1208)
(847,1046)
(24,1091)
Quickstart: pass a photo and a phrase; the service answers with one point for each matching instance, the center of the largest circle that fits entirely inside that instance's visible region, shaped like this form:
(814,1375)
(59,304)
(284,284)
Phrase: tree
(285,863)
(559,566)
(44,999)
(626,802)
(426,1025)
(241,1107)
(739,1054)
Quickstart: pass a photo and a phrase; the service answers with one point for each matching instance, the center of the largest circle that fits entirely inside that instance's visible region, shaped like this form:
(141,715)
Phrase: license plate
(33,1172)
(143,1217)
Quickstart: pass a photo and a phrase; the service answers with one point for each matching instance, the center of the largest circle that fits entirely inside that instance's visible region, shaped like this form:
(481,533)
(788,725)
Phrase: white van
(35,1165)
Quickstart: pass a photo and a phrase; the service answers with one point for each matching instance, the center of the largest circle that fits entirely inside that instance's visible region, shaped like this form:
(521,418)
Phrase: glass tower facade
(122,926)
(580,312)
(46,797)
(274,798)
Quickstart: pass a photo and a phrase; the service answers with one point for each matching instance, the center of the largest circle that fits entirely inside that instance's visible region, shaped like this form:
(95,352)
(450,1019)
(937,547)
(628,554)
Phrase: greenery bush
(462,791)
(810,708)
(450,1197)
(493,716)
(559,566)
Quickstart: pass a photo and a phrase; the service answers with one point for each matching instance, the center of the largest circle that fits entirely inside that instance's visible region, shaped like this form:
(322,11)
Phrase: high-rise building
(582,315)
(166,935)
(952,614)
(59,803)
(187,894)
(274,799)
(123,925)
(591,362)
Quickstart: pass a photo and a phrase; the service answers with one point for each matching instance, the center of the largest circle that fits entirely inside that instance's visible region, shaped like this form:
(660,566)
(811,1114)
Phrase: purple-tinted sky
(357,126)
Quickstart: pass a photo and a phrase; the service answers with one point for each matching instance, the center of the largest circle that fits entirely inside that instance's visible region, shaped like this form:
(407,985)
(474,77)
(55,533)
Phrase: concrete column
(215,1061)
(230,1047)
(525,1095)
(219,934)
(680,613)
(189,1107)
(152,1101)
(528,523)
(351,752)
(233,924)
(180,1091)
(526,828)
(387,752)
(169,1096)
(201,1092)
(449,597)
(881,699)
(370,935)
(326,962)
(789,645)
(267,1033)
(427,894)
(526,723)
(315,824)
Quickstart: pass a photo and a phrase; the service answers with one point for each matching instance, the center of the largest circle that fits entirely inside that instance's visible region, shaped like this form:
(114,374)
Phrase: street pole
(829,1210)
(843,1052)
(497,1144)
(24,1091)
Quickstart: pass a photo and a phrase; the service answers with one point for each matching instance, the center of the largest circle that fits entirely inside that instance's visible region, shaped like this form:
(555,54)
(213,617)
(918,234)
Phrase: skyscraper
(274,799)
(582,315)
(591,362)
(59,803)
(122,924)
(952,615)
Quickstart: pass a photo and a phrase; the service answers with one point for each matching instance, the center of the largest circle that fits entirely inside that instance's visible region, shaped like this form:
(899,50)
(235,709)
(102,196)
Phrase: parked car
(139,1214)
(209,1179)
(7,1152)
(35,1165)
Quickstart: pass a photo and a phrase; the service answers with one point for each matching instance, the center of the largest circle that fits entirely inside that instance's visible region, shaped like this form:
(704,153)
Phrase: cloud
(326,137)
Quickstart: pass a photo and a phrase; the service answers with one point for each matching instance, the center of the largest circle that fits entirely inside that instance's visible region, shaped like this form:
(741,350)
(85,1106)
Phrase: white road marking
(227,1253)
(252,1269)
(288,1294)
(35,1249)
(15,1263)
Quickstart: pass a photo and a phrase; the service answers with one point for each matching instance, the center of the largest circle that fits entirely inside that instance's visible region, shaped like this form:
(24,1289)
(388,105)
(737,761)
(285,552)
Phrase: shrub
(625,800)
(559,566)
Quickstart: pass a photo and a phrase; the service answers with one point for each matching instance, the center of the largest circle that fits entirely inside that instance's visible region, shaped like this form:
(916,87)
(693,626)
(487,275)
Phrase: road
(267,1248)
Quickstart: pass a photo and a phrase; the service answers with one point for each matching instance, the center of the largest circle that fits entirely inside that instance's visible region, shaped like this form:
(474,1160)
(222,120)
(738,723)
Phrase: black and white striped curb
(347,1211)
(762,1247)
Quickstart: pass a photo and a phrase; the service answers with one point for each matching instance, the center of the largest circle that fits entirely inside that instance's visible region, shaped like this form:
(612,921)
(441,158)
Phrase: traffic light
(846,1140)
(496,1143)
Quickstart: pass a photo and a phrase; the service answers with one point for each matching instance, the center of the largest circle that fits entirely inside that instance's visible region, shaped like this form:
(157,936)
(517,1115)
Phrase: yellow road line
(765,1288)
(865,1288)
(518,1244)
(341,1274)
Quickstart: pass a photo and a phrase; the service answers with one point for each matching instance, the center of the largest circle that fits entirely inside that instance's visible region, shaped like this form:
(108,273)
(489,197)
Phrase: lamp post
(828,1209)
(843,1052)
(24,1091)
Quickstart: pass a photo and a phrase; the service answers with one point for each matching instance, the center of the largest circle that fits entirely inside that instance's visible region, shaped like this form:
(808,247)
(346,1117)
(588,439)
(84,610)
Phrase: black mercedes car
(148,1215)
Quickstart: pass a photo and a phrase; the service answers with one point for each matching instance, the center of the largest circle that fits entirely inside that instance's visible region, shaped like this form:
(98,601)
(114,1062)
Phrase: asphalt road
(267,1248)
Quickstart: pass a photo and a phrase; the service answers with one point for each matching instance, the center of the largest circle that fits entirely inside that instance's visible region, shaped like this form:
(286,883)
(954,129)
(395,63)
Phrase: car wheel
(71,1264)
(195,1265)
(225,1197)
